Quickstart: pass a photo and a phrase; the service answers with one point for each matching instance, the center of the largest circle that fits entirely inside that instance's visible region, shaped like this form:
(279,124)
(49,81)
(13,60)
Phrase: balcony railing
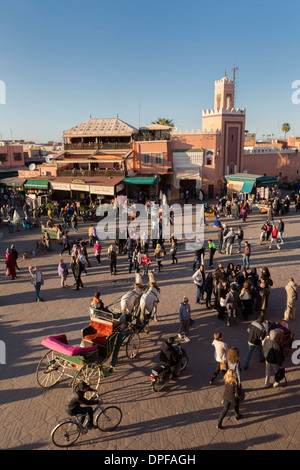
(99,146)
(152,136)
(83,173)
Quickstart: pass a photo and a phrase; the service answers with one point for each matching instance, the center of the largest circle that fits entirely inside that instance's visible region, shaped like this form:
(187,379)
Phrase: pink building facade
(11,156)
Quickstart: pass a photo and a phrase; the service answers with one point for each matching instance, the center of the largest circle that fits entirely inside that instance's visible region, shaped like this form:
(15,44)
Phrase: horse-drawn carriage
(101,340)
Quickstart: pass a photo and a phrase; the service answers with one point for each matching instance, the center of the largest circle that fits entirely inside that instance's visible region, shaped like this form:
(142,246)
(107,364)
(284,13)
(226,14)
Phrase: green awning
(247,187)
(140,180)
(36,184)
(267,180)
(241,177)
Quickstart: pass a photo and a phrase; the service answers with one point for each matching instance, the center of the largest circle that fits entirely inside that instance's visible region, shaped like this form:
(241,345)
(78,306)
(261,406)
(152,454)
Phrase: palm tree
(285,128)
(164,122)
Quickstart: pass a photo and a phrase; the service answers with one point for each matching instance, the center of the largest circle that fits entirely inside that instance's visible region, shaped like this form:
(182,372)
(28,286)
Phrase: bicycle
(67,432)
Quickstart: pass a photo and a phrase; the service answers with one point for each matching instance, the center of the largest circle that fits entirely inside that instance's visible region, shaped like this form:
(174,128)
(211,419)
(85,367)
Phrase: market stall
(244,184)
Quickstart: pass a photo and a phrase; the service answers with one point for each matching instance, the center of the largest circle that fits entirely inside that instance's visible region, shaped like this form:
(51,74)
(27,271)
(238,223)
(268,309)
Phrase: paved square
(184,414)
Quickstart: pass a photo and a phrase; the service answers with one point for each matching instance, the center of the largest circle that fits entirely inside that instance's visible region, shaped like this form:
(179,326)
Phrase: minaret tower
(228,121)
(224,93)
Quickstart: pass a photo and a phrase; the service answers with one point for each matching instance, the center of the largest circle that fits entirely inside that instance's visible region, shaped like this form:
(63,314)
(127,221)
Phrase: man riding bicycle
(76,399)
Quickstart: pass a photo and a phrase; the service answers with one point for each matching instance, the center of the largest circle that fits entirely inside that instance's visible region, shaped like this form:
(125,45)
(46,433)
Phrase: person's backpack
(280,375)
(274,233)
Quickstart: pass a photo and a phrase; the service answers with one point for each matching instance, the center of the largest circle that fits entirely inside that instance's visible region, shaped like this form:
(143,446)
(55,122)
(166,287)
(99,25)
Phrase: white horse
(149,300)
(131,300)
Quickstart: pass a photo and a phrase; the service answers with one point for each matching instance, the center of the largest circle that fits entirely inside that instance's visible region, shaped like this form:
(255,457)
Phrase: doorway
(210,191)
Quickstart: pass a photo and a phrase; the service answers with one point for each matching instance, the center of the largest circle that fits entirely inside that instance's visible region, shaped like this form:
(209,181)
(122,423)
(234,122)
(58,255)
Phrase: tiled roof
(100,127)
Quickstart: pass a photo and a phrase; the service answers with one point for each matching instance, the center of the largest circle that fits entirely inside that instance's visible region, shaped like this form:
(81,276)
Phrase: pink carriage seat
(60,344)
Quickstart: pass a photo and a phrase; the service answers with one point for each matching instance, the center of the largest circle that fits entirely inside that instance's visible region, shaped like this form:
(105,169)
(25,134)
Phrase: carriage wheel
(133,345)
(50,370)
(91,374)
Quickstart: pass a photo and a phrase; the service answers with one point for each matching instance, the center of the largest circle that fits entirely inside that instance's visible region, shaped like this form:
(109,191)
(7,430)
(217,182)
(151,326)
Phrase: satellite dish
(49,158)
(32,166)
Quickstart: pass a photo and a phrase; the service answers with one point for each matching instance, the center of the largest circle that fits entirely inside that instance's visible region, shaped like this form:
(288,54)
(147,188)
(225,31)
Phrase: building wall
(285,161)
(152,147)
(210,174)
(10,152)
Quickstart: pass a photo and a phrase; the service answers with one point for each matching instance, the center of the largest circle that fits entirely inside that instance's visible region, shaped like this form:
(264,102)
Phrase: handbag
(192,322)
(223,366)
(222,302)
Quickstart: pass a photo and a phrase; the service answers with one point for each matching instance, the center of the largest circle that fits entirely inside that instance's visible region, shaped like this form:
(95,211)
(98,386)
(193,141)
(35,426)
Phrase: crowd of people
(237,292)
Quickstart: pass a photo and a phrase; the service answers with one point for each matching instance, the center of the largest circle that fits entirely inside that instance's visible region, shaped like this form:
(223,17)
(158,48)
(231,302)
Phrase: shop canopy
(16,182)
(36,184)
(247,187)
(266,180)
(244,182)
(140,180)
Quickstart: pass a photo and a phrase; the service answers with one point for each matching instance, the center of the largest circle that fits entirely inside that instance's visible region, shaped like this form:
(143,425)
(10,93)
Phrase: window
(146,158)
(3,157)
(158,159)
(228,101)
(209,158)
(17,157)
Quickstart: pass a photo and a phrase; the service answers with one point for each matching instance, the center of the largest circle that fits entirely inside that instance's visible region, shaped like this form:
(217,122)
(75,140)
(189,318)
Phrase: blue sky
(64,61)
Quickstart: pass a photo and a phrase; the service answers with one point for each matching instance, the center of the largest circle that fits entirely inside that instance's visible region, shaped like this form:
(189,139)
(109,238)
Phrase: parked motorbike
(160,375)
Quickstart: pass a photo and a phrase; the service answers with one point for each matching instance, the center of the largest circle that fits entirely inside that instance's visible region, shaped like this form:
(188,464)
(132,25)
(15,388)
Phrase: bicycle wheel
(109,418)
(49,370)
(184,362)
(65,434)
(91,374)
(133,345)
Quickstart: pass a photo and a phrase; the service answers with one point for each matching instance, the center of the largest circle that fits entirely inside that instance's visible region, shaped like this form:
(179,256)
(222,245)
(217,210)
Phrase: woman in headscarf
(10,261)
(16,255)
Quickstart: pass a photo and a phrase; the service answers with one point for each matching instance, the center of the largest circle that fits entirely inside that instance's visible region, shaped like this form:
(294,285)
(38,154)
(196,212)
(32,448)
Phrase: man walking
(199,281)
(280,229)
(66,243)
(273,357)
(292,295)
(184,319)
(257,334)
(78,268)
(225,231)
(112,259)
(37,280)
(212,250)
(240,238)
(274,235)
(246,255)
(62,270)
(229,241)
